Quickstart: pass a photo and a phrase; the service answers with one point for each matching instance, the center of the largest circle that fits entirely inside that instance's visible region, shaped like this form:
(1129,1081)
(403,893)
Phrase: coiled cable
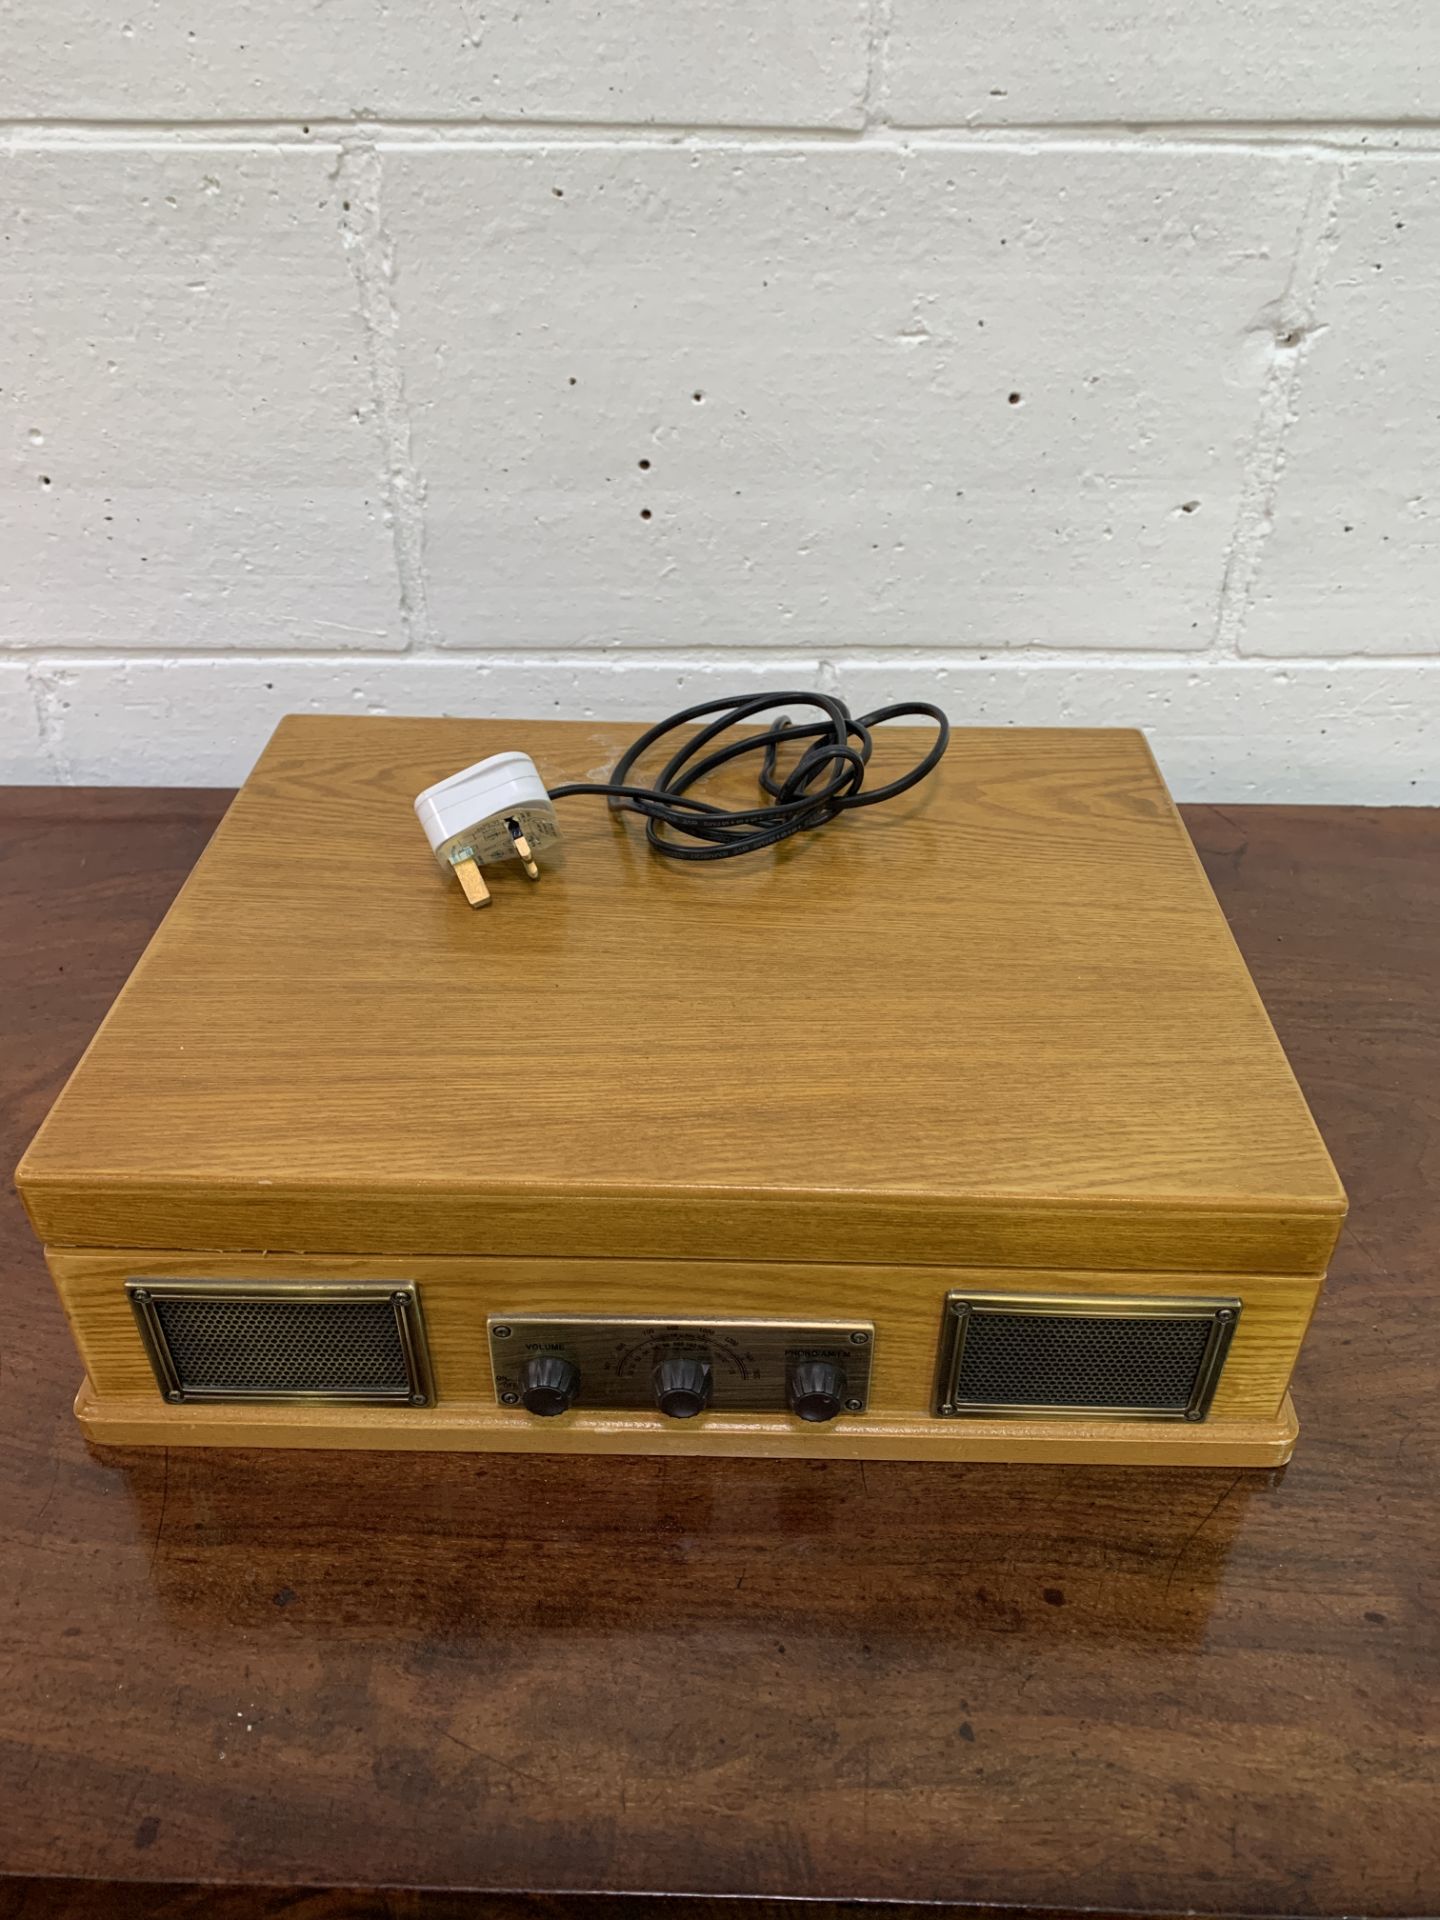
(827,779)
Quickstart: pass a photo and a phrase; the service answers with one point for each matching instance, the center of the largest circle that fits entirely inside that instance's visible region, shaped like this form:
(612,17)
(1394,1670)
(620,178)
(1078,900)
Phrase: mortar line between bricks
(47,731)
(814,663)
(1292,324)
(371,256)
(877,50)
(1401,138)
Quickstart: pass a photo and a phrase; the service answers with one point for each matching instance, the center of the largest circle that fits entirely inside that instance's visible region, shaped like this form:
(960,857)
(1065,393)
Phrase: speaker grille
(228,1342)
(1114,1356)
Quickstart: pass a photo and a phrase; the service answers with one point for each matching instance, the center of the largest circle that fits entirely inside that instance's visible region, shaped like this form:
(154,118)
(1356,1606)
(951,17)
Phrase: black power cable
(828,778)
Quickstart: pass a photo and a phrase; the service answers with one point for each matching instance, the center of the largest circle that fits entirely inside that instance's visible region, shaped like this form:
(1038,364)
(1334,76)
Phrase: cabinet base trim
(135,1422)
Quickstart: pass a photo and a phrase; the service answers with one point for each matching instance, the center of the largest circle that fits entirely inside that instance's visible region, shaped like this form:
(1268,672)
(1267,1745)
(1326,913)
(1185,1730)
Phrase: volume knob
(682,1386)
(548,1384)
(816,1389)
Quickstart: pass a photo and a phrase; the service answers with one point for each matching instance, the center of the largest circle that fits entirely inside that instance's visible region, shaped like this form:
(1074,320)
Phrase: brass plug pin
(467,872)
(522,847)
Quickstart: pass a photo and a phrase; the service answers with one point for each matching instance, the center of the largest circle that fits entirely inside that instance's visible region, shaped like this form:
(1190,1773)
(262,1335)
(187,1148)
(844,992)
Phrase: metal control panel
(551,1363)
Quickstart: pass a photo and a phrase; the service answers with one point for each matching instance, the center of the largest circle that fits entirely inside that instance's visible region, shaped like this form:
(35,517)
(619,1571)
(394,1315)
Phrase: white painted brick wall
(1065,364)
(1275,64)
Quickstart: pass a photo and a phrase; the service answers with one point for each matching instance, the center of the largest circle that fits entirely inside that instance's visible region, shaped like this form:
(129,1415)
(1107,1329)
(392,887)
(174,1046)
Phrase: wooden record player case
(954,1131)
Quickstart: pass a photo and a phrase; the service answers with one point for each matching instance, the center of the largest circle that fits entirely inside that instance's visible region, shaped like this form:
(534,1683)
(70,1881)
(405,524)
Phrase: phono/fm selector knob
(548,1384)
(682,1385)
(816,1389)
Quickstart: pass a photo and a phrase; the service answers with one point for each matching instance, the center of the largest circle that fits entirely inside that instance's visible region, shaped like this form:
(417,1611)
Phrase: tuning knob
(548,1384)
(682,1386)
(816,1389)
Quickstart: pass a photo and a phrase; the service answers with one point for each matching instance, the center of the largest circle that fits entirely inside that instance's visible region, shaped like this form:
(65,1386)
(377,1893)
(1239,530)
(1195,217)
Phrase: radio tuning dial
(816,1389)
(548,1384)
(682,1386)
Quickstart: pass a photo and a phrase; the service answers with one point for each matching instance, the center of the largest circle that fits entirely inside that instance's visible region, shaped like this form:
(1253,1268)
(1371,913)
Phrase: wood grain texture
(1037,1046)
(253,1684)
(458,1294)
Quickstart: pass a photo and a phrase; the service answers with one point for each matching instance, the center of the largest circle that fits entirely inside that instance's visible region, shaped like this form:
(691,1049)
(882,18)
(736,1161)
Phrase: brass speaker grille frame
(149,1297)
(962,1308)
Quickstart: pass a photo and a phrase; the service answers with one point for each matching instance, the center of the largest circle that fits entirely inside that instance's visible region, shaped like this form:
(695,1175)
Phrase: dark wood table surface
(230,1678)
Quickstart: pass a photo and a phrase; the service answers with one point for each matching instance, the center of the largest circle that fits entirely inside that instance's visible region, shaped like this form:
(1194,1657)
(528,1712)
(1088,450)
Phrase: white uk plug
(496,810)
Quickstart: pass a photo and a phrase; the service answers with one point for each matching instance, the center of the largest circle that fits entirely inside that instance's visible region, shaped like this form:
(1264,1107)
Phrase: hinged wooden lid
(1002,1021)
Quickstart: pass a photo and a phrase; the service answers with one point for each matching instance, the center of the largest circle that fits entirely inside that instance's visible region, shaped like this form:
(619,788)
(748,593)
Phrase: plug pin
(485,815)
(467,872)
(522,847)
